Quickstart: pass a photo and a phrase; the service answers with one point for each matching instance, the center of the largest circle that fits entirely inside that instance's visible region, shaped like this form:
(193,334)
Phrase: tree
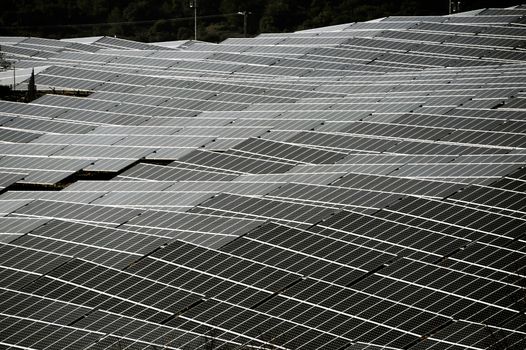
(31,88)
(4,63)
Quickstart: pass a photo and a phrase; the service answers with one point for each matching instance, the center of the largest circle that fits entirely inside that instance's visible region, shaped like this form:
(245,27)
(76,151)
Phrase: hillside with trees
(161,20)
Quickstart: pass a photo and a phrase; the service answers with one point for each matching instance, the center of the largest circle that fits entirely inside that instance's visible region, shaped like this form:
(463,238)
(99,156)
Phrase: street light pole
(245,15)
(454,6)
(193,4)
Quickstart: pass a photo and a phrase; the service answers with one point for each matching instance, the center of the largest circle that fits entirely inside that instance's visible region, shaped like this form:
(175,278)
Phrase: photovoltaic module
(359,186)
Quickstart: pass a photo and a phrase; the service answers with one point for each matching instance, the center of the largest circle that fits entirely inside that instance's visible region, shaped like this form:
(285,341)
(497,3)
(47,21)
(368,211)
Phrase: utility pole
(245,15)
(14,76)
(193,4)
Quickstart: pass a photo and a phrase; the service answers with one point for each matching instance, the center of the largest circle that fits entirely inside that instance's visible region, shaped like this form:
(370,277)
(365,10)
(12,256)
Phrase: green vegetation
(160,20)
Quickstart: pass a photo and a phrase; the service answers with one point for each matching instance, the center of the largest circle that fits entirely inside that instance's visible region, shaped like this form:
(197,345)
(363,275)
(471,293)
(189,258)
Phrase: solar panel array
(359,186)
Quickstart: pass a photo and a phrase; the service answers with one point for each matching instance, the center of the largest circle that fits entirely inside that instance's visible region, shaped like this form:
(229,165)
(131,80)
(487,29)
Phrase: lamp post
(193,4)
(454,6)
(245,15)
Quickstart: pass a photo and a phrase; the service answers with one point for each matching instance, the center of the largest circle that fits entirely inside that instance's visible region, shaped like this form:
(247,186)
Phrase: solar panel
(358,186)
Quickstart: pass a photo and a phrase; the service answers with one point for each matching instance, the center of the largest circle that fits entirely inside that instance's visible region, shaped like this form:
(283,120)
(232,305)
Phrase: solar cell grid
(398,185)
(9,178)
(31,260)
(496,198)
(41,334)
(406,239)
(78,212)
(48,310)
(123,293)
(173,173)
(234,162)
(286,152)
(356,186)
(47,125)
(51,195)
(333,196)
(491,262)
(316,293)
(265,208)
(497,228)
(206,230)
(343,142)
(307,253)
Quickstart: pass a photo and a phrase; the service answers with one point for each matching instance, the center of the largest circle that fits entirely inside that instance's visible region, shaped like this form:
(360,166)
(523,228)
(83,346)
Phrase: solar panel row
(358,186)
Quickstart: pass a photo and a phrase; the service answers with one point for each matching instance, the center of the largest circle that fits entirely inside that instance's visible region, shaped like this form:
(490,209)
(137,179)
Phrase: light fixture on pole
(193,4)
(245,15)
(454,6)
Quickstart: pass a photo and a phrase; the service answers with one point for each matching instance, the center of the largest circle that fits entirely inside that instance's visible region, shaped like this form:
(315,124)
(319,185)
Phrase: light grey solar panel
(336,28)
(11,135)
(504,30)
(250,59)
(165,141)
(76,139)
(485,41)
(77,212)
(7,207)
(395,159)
(11,227)
(414,18)
(279,50)
(135,130)
(172,153)
(108,186)
(17,50)
(47,177)
(190,145)
(413,36)
(465,173)
(209,134)
(160,173)
(47,125)
(153,200)
(95,151)
(42,169)
(9,178)
(485,19)
(11,39)
(100,117)
(65,57)
(66,196)
(74,102)
(246,188)
(123,43)
(439,27)
(128,97)
(64,83)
